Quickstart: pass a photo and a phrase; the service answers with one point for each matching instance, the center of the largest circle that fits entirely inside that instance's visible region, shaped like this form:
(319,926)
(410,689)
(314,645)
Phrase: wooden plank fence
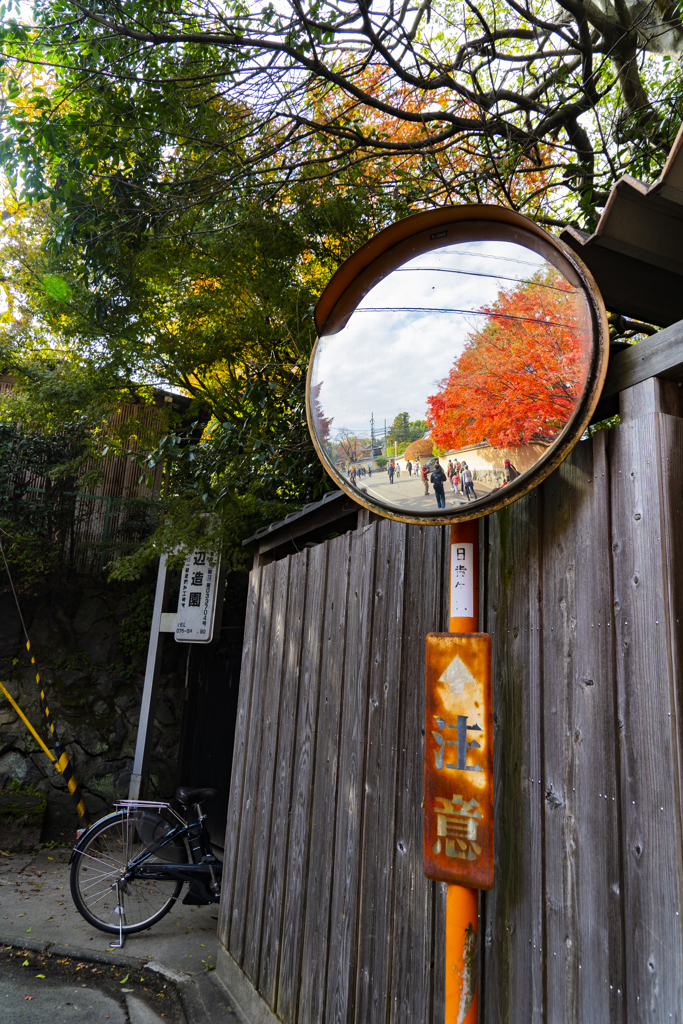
(325,907)
(582,597)
(327,780)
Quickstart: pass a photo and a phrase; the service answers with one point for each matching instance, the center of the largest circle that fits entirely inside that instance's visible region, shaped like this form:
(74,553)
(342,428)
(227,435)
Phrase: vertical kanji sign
(462,580)
(197,597)
(458,801)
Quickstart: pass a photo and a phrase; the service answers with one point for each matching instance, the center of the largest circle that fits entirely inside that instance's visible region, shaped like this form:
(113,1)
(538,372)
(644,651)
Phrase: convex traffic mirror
(460,356)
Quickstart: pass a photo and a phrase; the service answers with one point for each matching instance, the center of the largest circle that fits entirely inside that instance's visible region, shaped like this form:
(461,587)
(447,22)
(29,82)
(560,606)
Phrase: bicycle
(123,866)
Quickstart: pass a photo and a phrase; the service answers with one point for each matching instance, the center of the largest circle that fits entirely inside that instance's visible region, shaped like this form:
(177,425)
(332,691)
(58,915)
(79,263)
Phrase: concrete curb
(57,949)
(33,945)
(177,977)
(203,998)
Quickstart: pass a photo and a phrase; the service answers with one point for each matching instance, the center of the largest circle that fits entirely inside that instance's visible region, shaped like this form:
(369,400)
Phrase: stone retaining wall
(93,688)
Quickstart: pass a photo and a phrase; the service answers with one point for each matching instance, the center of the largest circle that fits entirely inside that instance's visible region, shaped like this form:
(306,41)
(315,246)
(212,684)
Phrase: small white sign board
(462,580)
(197,598)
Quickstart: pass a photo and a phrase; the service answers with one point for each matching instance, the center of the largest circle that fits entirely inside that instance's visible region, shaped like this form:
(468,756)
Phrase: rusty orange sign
(458,792)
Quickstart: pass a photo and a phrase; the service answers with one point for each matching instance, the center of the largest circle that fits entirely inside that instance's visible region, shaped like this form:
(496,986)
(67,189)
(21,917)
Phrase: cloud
(404,336)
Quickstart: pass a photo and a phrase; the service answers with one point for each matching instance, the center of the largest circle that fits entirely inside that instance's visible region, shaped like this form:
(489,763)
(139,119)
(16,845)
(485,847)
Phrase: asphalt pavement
(35,991)
(38,919)
(407,492)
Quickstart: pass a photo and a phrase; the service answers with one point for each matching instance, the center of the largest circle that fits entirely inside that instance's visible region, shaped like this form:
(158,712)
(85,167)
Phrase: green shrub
(135,627)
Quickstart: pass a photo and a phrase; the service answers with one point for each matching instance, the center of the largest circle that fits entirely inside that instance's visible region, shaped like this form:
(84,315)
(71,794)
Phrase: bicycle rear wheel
(100,864)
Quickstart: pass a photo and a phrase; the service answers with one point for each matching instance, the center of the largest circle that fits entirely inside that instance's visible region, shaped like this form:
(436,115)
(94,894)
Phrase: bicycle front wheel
(99,867)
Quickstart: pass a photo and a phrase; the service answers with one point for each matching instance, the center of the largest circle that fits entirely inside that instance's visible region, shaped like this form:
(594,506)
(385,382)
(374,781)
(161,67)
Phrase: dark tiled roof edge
(306,510)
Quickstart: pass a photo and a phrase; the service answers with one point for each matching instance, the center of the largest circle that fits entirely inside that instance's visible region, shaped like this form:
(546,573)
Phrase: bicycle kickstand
(119,913)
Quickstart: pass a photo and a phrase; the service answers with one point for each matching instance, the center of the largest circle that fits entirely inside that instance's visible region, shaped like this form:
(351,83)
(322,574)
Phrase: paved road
(40,924)
(39,989)
(50,1002)
(35,901)
(407,492)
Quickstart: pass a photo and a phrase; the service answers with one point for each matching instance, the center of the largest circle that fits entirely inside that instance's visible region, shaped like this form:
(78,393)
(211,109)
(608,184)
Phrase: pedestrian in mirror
(483,343)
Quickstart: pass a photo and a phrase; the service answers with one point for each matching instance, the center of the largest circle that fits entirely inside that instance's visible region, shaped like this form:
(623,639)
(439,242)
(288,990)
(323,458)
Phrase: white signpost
(193,623)
(197,598)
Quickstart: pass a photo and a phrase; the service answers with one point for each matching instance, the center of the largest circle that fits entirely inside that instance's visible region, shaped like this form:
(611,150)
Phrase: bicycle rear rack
(148,805)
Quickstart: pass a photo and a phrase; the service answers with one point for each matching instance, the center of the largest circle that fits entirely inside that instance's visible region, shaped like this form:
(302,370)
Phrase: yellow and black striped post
(61,763)
(28,725)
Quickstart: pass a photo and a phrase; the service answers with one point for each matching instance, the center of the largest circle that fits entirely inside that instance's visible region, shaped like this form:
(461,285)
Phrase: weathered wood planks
(325,906)
(348,847)
(328,911)
(373,977)
(232,831)
(658,356)
(252,760)
(588,873)
(512,921)
(412,954)
(579,757)
(647,725)
(282,789)
(259,880)
(322,831)
(296,868)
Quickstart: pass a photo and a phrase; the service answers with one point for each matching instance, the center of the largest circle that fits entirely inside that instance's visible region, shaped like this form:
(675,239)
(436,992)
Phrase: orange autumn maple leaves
(521,373)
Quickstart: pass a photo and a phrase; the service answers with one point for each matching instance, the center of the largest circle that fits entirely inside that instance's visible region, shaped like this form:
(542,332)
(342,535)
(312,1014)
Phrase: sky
(389,361)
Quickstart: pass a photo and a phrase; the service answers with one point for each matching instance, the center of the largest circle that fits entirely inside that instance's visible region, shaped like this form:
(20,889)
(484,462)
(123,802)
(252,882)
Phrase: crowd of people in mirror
(356,472)
(457,474)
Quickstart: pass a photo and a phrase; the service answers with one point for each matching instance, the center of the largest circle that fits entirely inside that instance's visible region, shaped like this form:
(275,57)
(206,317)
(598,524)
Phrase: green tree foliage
(184,181)
(37,498)
(531,103)
(403,431)
(221,315)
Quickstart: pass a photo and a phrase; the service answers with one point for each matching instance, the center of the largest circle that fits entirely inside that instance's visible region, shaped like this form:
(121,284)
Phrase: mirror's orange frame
(413,225)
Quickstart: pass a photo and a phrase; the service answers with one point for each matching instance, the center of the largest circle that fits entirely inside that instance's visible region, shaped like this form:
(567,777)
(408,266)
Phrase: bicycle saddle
(188,796)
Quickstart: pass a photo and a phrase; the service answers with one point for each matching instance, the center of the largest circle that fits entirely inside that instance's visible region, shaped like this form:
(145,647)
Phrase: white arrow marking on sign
(458,676)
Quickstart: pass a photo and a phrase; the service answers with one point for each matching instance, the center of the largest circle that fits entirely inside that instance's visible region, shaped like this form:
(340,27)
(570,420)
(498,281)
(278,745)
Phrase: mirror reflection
(445,376)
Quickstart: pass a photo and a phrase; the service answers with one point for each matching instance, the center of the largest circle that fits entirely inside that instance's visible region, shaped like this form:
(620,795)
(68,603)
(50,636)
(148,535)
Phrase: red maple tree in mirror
(522,371)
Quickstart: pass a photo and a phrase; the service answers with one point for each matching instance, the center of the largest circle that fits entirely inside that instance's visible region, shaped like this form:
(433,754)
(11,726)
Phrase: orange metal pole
(462,906)
(462,961)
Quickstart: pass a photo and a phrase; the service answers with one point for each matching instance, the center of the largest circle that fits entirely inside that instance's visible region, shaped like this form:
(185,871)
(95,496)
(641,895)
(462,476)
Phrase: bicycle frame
(203,874)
